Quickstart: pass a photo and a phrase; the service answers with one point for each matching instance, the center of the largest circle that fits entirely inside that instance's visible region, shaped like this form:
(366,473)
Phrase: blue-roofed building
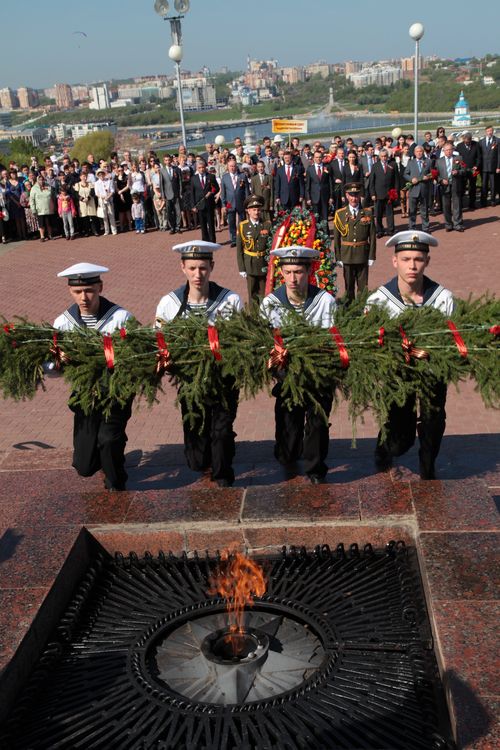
(461,118)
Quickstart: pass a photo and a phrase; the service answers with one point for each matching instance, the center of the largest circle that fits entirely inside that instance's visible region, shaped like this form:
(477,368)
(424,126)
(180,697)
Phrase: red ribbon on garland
(461,345)
(109,351)
(8,328)
(213,340)
(410,350)
(57,352)
(163,358)
(279,353)
(344,354)
(123,332)
(495,330)
(381,334)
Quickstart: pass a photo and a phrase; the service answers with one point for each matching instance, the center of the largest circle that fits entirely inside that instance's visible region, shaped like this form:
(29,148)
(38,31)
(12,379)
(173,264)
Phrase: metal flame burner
(272,655)
(337,653)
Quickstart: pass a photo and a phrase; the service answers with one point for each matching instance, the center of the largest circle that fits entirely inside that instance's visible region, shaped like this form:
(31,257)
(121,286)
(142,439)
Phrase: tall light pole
(175,51)
(416,32)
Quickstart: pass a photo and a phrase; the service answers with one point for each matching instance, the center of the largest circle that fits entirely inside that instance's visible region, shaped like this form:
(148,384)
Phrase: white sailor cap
(278,139)
(295,254)
(83,273)
(411,239)
(197,249)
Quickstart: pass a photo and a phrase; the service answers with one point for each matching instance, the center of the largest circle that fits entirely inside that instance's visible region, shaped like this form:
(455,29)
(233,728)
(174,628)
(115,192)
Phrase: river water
(318,124)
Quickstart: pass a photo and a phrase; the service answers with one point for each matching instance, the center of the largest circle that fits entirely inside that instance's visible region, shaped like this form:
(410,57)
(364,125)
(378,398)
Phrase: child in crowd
(66,210)
(138,213)
(161,209)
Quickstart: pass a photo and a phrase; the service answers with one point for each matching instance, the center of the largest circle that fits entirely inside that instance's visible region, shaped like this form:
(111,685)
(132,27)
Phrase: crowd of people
(185,191)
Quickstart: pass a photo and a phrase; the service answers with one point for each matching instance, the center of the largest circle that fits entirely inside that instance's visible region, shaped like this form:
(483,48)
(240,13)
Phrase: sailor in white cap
(300,431)
(210,443)
(98,442)
(411,288)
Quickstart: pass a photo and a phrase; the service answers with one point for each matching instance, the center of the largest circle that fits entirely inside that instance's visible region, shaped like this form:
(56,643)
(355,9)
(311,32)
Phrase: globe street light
(175,52)
(416,31)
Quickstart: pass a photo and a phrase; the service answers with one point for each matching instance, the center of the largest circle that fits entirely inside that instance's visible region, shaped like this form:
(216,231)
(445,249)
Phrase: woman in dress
(31,220)
(14,190)
(123,198)
(42,202)
(352,170)
(402,160)
(85,196)
(4,214)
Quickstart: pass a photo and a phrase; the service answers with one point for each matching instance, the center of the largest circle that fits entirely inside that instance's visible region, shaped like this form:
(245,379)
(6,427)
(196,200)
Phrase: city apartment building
(8,99)
(28,98)
(64,96)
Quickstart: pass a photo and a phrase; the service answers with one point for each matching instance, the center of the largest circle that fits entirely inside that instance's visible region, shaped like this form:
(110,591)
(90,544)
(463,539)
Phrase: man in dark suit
(234,191)
(262,186)
(170,186)
(450,175)
(204,187)
(289,183)
(336,169)
(317,189)
(470,154)
(418,173)
(383,177)
(490,165)
(367,162)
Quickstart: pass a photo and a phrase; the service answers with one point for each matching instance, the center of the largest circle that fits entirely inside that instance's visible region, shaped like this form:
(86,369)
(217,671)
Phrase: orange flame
(238,582)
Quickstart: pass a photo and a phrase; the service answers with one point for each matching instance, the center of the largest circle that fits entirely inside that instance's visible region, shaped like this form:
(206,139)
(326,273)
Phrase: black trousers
(302,433)
(321,208)
(207,224)
(99,443)
(488,183)
(355,274)
(384,207)
(430,425)
(469,186)
(213,445)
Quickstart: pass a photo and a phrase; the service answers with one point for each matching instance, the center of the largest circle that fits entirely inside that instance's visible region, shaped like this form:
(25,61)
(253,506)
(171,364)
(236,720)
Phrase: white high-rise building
(99,96)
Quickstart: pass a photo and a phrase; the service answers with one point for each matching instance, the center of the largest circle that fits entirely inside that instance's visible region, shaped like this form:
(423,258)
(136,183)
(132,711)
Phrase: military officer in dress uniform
(354,240)
(301,432)
(251,243)
(98,441)
(410,288)
(210,443)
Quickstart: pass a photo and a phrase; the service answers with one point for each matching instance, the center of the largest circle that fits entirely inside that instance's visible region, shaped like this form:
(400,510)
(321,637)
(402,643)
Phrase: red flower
(392,195)
(434,173)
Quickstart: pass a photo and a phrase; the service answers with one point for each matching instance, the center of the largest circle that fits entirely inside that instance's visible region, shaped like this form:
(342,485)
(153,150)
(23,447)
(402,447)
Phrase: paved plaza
(50,518)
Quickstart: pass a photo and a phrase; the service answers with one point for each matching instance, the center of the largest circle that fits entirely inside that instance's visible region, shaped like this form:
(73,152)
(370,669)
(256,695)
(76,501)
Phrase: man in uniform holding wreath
(98,441)
(354,241)
(251,242)
(301,432)
(210,442)
(410,288)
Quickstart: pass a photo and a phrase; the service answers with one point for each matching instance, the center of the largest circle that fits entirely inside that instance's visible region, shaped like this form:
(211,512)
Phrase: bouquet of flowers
(392,195)
(299,227)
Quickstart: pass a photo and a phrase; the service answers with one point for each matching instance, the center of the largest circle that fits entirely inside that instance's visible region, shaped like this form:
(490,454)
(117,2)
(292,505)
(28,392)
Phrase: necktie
(384,166)
(261,179)
(288,174)
(369,163)
(419,166)
(448,167)
(319,173)
(233,177)
(202,178)
(487,143)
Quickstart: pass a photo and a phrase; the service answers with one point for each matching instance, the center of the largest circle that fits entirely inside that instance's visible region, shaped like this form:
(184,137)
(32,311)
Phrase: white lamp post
(416,31)
(175,51)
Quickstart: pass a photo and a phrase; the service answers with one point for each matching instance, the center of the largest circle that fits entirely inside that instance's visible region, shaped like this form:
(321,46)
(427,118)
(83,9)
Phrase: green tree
(21,152)
(101,144)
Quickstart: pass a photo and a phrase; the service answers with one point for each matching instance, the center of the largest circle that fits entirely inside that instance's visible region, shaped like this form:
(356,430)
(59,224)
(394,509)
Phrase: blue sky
(126,37)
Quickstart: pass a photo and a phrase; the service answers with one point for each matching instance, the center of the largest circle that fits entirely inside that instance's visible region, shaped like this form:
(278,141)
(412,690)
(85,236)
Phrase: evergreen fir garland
(379,371)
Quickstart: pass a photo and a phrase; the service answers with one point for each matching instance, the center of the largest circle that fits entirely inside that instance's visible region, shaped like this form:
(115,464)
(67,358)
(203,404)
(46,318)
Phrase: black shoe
(449,229)
(224,482)
(427,472)
(291,470)
(380,235)
(460,229)
(172,231)
(233,244)
(383,459)
(316,479)
(114,487)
